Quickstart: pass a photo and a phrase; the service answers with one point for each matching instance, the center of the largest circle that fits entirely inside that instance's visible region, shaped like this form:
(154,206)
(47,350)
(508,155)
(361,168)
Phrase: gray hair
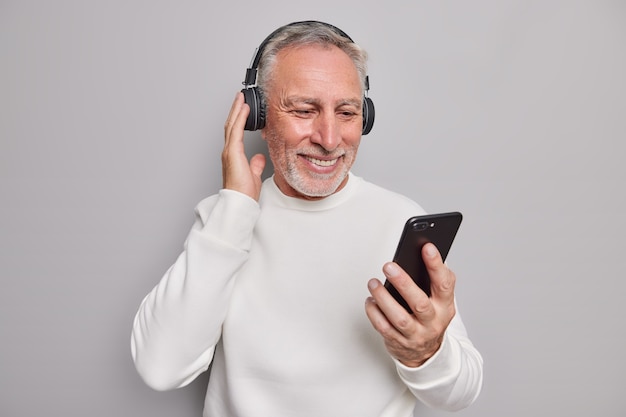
(308,33)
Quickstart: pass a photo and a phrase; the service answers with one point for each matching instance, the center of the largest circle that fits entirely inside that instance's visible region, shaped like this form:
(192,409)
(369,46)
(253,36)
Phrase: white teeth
(321,162)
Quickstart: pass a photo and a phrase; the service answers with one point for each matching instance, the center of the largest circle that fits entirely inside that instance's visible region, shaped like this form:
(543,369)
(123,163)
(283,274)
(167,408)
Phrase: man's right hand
(237,173)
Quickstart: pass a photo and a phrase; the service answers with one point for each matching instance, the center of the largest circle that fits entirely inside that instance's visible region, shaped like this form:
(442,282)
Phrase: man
(269,289)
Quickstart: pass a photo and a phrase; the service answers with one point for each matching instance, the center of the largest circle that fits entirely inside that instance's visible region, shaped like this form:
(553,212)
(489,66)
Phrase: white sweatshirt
(272,294)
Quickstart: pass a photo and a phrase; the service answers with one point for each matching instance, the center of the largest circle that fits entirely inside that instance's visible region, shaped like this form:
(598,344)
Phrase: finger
(234,109)
(233,151)
(379,320)
(236,121)
(257,164)
(442,279)
(415,297)
(396,315)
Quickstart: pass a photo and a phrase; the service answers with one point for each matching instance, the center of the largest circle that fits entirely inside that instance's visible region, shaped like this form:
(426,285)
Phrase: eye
(347,114)
(305,113)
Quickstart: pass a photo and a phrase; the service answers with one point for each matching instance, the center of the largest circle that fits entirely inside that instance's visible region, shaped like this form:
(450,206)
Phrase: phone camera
(421,226)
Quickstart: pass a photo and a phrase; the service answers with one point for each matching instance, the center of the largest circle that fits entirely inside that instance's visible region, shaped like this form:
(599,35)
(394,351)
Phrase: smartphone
(439,229)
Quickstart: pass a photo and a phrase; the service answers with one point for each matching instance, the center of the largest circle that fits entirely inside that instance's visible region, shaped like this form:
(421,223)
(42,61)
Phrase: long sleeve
(271,294)
(179,322)
(452,378)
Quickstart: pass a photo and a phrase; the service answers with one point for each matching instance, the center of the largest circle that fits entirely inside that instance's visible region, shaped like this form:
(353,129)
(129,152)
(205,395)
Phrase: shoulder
(386,199)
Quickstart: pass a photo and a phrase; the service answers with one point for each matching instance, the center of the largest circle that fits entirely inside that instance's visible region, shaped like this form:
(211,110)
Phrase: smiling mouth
(322,162)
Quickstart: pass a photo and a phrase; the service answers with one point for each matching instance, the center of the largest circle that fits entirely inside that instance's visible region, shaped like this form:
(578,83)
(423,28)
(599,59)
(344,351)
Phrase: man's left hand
(413,338)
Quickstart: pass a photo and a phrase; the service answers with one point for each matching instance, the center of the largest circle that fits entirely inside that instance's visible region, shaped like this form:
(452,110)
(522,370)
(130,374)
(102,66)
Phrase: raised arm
(179,322)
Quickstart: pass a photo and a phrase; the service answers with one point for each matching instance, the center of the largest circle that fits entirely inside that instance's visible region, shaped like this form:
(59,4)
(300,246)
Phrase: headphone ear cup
(256,117)
(368,115)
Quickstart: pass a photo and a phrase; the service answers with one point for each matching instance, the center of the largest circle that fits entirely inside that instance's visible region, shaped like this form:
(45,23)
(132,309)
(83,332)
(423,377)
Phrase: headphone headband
(259,51)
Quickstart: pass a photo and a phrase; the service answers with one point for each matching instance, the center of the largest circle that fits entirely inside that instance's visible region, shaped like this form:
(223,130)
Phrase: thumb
(257,164)
(442,279)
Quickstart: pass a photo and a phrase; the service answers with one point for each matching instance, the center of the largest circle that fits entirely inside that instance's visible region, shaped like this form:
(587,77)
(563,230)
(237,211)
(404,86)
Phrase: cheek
(295,130)
(288,141)
(286,129)
(276,146)
(352,137)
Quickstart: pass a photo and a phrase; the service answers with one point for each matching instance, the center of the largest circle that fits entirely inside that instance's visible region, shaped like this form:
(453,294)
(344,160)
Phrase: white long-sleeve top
(272,294)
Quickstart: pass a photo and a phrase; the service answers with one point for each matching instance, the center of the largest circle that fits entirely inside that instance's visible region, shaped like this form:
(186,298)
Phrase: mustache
(319,151)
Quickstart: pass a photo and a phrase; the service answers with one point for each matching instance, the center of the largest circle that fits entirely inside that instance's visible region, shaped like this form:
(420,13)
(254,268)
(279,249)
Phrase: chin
(316,187)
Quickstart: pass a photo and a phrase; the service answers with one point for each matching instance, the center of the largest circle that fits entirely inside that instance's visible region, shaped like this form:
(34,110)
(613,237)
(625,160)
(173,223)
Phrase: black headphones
(252,95)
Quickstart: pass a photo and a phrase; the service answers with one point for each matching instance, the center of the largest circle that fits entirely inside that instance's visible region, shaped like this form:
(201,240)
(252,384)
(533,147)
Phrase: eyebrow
(309,100)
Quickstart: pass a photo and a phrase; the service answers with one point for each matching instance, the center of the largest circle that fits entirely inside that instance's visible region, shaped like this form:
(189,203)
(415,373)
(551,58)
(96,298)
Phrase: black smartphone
(439,229)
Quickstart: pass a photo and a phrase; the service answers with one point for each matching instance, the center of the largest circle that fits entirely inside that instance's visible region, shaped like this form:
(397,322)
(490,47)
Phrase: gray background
(513,112)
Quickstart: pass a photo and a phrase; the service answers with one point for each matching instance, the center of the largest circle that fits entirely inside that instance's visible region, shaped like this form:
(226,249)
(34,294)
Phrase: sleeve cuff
(231,218)
(439,369)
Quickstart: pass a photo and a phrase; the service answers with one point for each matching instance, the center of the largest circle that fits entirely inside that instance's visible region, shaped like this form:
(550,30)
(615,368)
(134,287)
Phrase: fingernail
(430,250)
(391,270)
(372,284)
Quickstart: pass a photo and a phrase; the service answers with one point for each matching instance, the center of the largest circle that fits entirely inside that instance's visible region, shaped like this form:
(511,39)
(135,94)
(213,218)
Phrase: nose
(326,131)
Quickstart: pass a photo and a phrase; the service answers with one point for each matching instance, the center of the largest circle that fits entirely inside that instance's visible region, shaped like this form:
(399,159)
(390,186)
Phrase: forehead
(316,68)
